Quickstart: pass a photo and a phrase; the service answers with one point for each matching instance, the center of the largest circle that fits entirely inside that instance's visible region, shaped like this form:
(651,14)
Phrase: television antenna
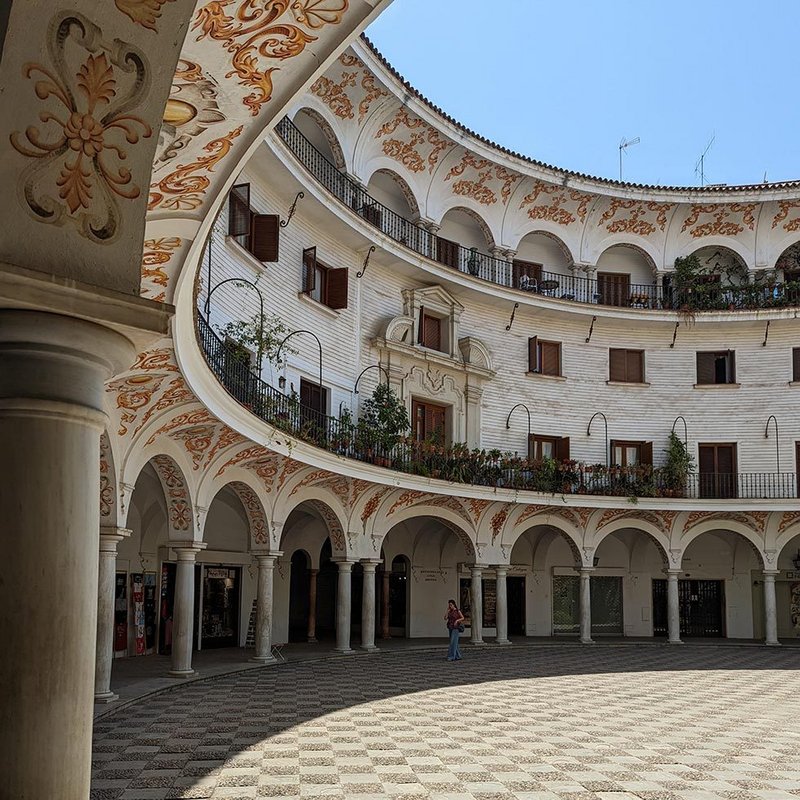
(624,145)
(700,166)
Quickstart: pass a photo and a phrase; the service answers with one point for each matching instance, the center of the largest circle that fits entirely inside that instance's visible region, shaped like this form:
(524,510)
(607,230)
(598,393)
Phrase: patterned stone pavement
(582,723)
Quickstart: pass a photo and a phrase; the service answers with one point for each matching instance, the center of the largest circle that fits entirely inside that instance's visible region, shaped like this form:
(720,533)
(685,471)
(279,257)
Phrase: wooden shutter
(337,288)
(646,453)
(616,365)
(372,214)
(562,448)
(634,366)
(533,354)
(431,332)
(707,461)
(420,337)
(447,252)
(434,422)
(309,269)
(239,210)
(796,364)
(551,358)
(265,237)
(705,367)
(531,447)
(613,445)
(613,288)
(731,366)
(726,459)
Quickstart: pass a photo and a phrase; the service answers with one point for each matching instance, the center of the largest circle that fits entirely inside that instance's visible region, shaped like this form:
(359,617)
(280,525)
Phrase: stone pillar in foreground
(586,605)
(110,537)
(343,606)
(52,374)
(502,605)
(368,606)
(476,612)
(673,607)
(770,609)
(183,610)
(266,574)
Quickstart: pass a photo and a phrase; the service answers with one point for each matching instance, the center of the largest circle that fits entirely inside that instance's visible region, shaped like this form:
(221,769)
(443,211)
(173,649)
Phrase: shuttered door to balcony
(372,214)
(447,252)
(796,364)
(265,237)
(717,464)
(337,288)
(428,420)
(614,289)
(526,269)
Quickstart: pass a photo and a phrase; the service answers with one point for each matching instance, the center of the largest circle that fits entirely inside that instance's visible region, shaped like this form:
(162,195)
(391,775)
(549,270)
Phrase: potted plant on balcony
(679,464)
(473,262)
(384,421)
(260,334)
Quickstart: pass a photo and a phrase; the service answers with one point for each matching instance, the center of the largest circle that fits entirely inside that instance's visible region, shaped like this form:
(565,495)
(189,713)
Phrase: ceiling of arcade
(125,121)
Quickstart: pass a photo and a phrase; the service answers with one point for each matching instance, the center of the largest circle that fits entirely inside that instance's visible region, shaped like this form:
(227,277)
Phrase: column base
(502,641)
(480,643)
(312,640)
(586,641)
(343,650)
(182,673)
(106,697)
(370,648)
(772,644)
(675,641)
(264,659)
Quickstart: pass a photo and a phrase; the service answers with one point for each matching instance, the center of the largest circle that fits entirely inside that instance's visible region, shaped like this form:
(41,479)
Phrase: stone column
(183,611)
(502,605)
(110,537)
(770,609)
(312,606)
(476,613)
(386,576)
(586,605)
(368,606)
(266,571)
(673,607)
(343,586)
(52,374)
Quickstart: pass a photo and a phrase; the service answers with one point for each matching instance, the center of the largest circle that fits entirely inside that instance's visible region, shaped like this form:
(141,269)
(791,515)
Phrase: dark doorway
(702,608)
(515,588)
(220,623)
(299,586)
(398,597)
(606,605)
(326,594)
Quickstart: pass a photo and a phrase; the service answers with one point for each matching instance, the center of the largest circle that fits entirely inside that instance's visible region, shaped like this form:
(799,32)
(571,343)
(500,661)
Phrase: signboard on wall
(137,598)
(794,604)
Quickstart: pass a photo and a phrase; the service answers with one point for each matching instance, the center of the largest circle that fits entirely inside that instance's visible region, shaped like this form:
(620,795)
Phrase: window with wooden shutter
(646,453)
(337,289)
(717,463)
(431,332)
(309,269)
(533,354)
(716,367)
(613,289)
(796,364)
(625,366)
(265,237)
(631,454)
(239,214)
(447,252)
(542,447)
(428,421)
(549,358)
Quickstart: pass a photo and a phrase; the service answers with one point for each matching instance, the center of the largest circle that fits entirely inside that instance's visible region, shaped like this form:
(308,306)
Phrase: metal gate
(702,605)
(606,594)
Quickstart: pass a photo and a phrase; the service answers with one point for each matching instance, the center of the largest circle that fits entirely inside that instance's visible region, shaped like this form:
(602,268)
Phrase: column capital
(266,553)
(587,570)
(673,572)
(186,551)
(344,564)
(370,564)
(111,536)
(770,573)
(501,568)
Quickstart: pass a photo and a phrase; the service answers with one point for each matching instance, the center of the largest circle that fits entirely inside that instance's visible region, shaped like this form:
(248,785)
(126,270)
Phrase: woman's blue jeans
(453,652)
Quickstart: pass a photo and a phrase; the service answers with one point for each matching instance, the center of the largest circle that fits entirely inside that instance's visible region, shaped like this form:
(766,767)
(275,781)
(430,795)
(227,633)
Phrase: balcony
(702,297)
(458,463)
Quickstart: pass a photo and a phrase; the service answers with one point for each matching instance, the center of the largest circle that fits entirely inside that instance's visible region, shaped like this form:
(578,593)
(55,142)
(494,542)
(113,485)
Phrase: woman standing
(454,619)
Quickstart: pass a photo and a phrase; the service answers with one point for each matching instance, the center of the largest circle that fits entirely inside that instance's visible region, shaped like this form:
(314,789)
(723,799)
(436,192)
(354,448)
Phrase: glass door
(220,623)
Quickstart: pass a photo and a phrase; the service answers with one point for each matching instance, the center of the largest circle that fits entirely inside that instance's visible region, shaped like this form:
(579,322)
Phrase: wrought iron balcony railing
(699,297)
(458,463)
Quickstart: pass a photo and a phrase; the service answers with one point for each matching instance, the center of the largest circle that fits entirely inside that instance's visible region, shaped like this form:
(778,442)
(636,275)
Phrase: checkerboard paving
(535,723)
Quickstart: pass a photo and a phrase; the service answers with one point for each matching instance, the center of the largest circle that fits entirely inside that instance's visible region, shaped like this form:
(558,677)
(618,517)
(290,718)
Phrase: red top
(453,615)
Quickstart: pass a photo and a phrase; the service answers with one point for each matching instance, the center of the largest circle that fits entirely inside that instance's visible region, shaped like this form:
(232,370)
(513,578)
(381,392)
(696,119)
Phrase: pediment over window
(434,298)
